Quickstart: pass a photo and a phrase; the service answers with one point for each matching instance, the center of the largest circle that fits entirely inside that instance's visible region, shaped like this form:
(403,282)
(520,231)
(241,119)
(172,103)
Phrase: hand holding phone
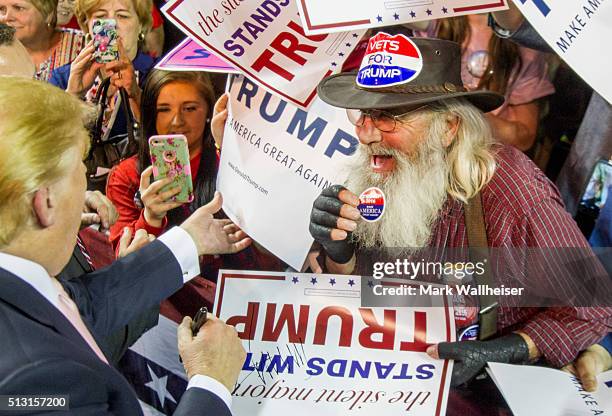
(104,33)
(170,158)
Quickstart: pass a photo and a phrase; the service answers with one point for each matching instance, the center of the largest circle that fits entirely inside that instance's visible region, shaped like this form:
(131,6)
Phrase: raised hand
(156,203)
(83,71)
(212,236)
(122,74)
(333,217)
(217,125)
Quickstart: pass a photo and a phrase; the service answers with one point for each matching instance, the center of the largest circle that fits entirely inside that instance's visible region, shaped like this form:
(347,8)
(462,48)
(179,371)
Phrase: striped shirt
(70,44)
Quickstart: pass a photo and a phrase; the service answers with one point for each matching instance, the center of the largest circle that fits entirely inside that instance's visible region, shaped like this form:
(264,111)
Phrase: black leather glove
(472,356)
(324,218)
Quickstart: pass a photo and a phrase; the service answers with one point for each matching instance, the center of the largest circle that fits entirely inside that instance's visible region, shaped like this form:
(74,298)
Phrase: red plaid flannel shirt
(522,208)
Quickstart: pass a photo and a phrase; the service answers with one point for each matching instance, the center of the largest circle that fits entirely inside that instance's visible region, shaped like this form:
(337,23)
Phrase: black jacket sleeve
(207,403)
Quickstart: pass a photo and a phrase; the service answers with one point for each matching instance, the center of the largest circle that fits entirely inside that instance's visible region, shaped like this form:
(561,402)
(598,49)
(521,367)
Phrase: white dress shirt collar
(32,273)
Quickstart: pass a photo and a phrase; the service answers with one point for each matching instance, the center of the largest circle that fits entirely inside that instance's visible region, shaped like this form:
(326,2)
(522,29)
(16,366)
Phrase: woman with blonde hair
(35,22)
(83,76)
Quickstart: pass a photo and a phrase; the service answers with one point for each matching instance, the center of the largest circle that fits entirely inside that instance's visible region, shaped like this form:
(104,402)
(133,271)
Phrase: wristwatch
(499,31)
(137,200)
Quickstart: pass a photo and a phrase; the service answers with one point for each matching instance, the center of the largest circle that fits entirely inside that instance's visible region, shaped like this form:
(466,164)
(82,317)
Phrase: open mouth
(382,163)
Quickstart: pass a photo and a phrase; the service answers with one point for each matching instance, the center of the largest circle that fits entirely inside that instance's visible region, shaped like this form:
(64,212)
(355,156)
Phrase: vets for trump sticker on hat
(371,204)
(389,60)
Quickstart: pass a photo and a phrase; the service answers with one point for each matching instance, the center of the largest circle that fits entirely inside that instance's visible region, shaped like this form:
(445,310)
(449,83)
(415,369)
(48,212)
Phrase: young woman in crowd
(175,103)
(497,64)
(172,103)
(83,76)
(35,22)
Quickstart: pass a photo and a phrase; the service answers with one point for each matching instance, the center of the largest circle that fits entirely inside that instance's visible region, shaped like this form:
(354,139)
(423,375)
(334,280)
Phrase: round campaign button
(470,333)
(466,311)
(477,63)
(371,204)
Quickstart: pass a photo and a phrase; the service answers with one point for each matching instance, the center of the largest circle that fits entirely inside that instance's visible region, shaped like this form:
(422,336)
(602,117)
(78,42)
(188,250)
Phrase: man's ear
(452,126)
(44,207)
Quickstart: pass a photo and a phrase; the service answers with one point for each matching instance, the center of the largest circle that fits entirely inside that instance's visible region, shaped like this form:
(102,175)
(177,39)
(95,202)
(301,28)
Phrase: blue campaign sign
(540,4)
(198,54)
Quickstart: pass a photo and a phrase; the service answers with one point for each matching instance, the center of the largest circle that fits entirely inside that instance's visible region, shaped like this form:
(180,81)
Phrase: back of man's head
(7,34)
(41,126)
(14,58)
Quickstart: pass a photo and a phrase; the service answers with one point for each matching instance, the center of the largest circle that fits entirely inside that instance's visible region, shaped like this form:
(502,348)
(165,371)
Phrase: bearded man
(426,145)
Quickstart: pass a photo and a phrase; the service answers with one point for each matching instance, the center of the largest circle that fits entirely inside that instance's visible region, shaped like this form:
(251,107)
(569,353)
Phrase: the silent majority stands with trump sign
(311,348)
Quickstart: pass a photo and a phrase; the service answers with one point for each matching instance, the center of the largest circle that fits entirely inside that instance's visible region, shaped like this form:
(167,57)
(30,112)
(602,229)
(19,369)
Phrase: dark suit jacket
(116,344)
(42,353)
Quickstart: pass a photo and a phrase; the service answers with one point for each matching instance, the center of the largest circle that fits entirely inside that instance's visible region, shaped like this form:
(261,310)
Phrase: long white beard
(415,192)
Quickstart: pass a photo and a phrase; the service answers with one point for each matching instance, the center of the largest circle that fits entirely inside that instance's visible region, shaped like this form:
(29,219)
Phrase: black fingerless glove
(323,219)
(472,356)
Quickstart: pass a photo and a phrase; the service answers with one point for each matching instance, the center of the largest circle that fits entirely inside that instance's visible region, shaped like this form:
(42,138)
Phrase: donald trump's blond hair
(39,126)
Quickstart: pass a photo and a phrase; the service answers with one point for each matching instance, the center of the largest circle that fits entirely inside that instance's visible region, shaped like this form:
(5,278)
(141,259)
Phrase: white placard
(265,40)
(575,30)
(312,350)
(320,16)
(544,391)
(276,159)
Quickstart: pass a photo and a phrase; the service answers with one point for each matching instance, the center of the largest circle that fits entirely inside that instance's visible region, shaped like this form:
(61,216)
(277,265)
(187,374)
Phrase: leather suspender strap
(479,251)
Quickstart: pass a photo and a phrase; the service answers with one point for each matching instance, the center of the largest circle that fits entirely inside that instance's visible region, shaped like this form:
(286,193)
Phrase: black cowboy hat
(439,79)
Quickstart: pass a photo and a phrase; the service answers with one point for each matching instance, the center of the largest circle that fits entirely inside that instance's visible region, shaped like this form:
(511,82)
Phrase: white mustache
(377,149)
(415,191)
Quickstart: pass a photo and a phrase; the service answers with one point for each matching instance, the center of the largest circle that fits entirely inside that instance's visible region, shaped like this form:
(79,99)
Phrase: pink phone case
(170,157)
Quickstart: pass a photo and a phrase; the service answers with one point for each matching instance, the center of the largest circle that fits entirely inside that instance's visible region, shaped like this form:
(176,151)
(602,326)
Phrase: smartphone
(199,319)
(170,158)
(104,33)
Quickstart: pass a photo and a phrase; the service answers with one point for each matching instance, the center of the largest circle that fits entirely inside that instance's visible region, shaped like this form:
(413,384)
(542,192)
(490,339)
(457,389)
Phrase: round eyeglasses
(384,121)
